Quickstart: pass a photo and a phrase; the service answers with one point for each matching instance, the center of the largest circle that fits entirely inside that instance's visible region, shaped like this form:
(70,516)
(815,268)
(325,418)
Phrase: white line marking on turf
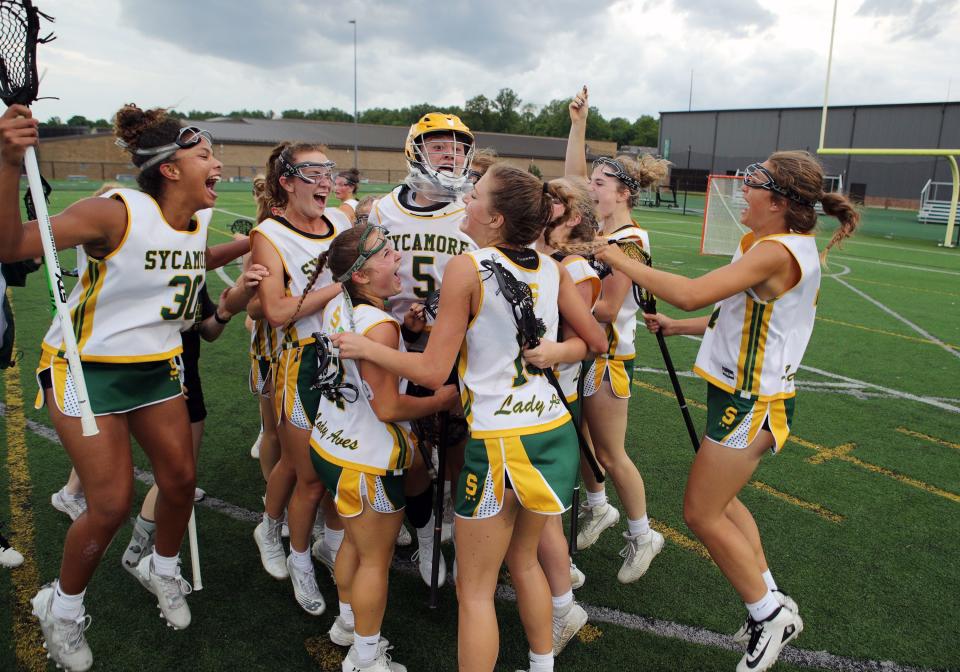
(655,626)
(920,330)
(845,271)
(232,214)
(931,401)
(222,274)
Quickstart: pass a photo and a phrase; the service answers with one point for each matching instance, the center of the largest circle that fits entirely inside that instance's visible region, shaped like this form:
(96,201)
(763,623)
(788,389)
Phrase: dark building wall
(725,140)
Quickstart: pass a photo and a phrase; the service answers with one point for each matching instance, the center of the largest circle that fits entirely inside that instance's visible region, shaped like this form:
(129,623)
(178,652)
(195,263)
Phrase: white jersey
(580,270)
(352,202)
(621,333)
(426,237)
(349,433)
(131,305)
(298,251)
(754,347)
(500,395)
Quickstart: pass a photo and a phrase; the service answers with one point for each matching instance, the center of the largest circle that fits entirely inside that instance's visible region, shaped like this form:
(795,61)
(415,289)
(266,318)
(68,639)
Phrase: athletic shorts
(293,399)
(618,371)
(540,468)
(260,376)
(351,488)
(734,421)
(112,388)
(576,412)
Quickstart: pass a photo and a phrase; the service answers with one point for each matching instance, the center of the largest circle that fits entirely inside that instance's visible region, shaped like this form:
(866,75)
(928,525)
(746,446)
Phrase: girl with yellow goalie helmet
(423,218)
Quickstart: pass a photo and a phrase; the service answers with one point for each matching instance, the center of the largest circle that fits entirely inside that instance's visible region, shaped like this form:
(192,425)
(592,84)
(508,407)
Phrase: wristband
(216,316)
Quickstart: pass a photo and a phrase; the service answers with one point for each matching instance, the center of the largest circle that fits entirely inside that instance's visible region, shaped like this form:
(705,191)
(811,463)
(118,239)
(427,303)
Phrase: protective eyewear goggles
(362,252)
(310,172)
(756,176)
(613,168)
(189,136)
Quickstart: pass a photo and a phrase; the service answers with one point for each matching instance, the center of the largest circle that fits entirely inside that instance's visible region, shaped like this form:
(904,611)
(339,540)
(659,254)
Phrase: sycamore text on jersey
(428,242)
(174,260)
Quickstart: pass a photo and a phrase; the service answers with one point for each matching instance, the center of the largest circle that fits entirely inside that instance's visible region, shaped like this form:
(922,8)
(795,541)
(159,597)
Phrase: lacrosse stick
(242,226)
(648,303)
(530,329)
(19,37)
(438,510)
(194,552)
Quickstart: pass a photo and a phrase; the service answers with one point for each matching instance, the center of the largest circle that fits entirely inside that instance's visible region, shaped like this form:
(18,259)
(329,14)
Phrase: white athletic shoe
(742,636)
(305,589)
(565,626)
(72,506)
(324,554)
(272,555)
(577,578)
(341,634)
(63,637)
(638,554)
(382,663)
(424,557)
(284,528)
(767,639)
(140,546)
(199,494)
(171,593)
(255,448)
(9,556)
(403,536)
(593,521)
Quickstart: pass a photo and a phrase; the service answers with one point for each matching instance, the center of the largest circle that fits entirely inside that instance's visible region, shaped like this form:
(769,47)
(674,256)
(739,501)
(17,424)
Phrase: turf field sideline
(859,513)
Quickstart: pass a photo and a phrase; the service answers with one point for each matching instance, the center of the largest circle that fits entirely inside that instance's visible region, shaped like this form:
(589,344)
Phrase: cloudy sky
(636,55)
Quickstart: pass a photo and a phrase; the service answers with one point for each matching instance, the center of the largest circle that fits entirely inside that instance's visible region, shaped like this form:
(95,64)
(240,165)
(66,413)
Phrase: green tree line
(505,113)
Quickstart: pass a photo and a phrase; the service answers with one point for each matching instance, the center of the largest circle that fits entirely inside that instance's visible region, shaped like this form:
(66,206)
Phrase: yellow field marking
(667,393)
(823,454)
(213,228)
(884,332)
(327,655)
(821,511)
(680,539)
(927,437)
(912,289)
(589,633)
(842,453)
(28,643)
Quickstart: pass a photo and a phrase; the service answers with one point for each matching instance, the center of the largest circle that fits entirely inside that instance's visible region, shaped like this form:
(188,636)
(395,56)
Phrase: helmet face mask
(439,149)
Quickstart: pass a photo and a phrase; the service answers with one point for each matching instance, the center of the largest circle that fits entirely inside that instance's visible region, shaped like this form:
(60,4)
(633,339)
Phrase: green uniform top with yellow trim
(131,305)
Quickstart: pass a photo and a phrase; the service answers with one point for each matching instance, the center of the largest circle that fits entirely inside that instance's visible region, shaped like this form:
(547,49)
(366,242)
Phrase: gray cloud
(732,18)
(916,19)
(497,33)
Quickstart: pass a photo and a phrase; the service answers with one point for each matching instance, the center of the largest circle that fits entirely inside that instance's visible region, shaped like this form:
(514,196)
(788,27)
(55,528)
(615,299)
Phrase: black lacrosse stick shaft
(438,509)
(650,307)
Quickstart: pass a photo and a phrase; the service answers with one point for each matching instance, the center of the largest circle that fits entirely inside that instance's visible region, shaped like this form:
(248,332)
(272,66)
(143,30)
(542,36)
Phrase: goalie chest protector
(501,396)
(754,347)
(131,305)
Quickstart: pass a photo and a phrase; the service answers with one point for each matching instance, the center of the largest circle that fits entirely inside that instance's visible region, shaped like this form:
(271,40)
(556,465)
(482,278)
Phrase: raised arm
(458,296)
(575,162)
(768,263)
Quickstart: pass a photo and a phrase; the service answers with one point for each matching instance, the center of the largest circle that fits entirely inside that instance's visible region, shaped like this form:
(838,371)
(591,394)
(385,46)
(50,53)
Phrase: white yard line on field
(232,214)
(658,627)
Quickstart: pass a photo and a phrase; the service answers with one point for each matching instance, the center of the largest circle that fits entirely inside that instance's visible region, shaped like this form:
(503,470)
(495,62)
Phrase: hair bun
(130,122)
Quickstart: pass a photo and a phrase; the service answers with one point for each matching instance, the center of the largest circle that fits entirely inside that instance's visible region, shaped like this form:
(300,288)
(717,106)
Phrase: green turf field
(860,513)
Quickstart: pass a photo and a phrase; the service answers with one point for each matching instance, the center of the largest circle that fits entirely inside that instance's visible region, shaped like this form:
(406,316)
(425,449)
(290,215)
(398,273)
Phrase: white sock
(640,526)
(768,579)
(763,608)
(541,662)
(346,613)
(596,498)
(66,494)
(268,521)
(425,533)
(332,538)
(163,566)
(301,559)
(366,647)
(66,606)
(446,489)
(561,602)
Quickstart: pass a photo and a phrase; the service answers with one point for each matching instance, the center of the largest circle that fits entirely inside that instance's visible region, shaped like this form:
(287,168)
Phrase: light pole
(356,118)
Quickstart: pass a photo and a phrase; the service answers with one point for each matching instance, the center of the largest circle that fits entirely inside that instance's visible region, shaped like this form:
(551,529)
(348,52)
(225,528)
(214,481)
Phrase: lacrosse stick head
(431,304)
(633,250)
(241,226)
(329,378)
(19,37)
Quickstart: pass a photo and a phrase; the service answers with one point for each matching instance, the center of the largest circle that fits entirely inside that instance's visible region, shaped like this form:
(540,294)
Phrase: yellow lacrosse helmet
(444,168)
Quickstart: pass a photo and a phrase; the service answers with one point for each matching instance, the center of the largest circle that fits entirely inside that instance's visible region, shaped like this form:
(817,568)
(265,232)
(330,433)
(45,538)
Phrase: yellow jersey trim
(116,359)
(521,431)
